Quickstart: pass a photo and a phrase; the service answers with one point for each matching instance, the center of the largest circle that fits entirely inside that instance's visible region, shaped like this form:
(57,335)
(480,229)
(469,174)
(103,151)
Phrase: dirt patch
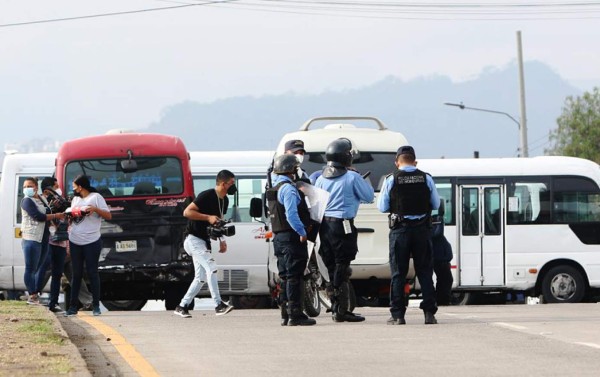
(32,342)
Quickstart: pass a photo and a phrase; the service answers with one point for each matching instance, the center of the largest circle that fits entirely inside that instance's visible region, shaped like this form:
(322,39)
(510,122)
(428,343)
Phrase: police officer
(338,234)
(442,256)
(409,195)
(293,147)
(289,216)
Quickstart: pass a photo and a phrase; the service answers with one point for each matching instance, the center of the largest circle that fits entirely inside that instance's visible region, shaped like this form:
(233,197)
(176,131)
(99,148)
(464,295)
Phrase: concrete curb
(79,365)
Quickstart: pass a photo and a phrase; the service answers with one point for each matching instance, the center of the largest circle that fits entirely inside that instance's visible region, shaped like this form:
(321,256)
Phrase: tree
(578,132)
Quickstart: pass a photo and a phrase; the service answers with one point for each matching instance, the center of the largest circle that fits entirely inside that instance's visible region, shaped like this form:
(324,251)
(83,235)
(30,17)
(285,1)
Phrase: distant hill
(413,107)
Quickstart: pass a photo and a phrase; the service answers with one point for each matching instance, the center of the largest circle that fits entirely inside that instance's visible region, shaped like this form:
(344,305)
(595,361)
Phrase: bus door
(481,238)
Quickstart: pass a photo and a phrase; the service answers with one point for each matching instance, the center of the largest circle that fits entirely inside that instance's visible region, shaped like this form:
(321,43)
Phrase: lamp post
(522,148)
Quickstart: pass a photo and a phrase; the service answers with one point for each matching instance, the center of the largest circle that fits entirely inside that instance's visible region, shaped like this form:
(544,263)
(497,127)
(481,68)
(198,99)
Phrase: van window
(444,189)
(528,201)
(379,164)
(239,204)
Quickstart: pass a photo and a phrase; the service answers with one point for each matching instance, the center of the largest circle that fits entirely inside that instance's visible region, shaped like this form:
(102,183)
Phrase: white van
(15,169)
(243,268)
(376,151)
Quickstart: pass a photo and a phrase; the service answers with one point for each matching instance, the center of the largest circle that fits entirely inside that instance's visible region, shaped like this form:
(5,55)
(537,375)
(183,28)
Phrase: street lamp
(523,148)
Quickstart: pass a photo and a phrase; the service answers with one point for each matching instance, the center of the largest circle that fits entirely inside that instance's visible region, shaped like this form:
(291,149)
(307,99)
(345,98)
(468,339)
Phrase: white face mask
(300,157)
(58,191)
(29,192)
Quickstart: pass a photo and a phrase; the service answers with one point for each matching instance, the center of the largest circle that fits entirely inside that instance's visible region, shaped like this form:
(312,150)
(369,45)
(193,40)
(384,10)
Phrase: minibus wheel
(124,305)
(563,284)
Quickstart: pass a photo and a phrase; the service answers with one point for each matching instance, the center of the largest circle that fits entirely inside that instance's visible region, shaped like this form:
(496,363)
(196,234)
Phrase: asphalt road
(508,340)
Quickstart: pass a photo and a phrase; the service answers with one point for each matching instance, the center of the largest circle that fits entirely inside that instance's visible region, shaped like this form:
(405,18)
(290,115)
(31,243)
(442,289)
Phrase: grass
(30,343)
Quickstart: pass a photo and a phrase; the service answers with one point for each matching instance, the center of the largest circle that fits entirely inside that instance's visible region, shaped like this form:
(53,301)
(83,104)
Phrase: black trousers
(444,280)
(292,256)
(338,249)
(407,240)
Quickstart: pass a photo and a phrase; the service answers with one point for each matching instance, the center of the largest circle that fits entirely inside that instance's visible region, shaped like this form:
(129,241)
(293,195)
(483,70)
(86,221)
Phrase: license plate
(122,246)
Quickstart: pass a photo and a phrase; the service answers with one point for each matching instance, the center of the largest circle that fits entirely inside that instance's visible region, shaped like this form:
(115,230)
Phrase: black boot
(297,318)
(430,318)
(341,313)
(284,313)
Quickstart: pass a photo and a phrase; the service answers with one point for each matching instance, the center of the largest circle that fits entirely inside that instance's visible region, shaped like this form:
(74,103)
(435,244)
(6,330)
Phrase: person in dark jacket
(442,256)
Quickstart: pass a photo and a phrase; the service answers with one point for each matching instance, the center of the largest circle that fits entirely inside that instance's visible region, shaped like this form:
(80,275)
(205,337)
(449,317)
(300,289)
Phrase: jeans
(40,273)
(32,251)
(204,265)
(89,255)
(404,242)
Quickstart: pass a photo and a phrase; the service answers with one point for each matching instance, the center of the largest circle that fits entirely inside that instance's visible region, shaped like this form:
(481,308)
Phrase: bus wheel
(250,302)
(127,305)
(563,284)
(460,298)
(312,303)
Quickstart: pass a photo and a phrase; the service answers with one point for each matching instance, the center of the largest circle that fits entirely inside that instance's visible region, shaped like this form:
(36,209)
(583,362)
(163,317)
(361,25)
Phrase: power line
(113,13)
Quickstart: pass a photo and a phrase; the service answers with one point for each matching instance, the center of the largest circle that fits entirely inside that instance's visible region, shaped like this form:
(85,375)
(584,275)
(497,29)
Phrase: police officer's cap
(294,146)
(406,149)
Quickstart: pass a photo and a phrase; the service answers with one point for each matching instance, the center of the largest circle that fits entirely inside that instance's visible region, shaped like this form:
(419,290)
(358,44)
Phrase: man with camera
(205,220)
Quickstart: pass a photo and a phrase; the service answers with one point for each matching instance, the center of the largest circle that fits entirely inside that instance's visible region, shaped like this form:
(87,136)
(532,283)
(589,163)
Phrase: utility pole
(523,124)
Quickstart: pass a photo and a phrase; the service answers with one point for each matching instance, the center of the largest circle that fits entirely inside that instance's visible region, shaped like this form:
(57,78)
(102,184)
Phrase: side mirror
(129,166)
(256,208)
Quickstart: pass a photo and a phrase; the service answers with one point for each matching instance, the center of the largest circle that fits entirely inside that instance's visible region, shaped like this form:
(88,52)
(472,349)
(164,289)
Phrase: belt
(335,219)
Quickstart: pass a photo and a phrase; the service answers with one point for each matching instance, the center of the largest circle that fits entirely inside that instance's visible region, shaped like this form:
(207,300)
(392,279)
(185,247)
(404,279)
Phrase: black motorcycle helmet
(285,164)
(339,151)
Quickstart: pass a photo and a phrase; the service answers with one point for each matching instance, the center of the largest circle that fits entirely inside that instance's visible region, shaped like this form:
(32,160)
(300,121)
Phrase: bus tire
(311,300)
(251,302)
(563,284)
(124,305)
(460,298)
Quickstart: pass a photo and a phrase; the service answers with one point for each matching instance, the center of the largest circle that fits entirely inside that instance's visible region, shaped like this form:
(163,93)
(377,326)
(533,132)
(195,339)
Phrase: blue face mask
(29,192)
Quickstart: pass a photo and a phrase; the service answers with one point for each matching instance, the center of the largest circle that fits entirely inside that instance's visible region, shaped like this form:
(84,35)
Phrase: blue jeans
(89,255)
(204,265)
(404,242)
(32,251)
(55,258)
(40,273)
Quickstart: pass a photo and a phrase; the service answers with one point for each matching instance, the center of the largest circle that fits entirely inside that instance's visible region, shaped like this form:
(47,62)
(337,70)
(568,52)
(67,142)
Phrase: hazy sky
(121,71)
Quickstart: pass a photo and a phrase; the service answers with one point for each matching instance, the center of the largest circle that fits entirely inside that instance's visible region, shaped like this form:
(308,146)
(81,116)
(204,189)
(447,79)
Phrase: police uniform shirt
(383,202)
(290,198)
(346,193)
(208,203)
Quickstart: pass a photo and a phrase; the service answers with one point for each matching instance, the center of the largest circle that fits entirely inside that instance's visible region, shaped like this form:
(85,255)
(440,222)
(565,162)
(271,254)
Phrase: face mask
(58,191)
(75,193)
(231,190)
(300,158)
(29,192)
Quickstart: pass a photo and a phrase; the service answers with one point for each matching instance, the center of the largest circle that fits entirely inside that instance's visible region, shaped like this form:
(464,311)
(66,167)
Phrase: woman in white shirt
(88,210)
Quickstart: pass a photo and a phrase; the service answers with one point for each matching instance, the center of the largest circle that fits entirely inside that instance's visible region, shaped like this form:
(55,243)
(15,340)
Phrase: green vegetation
(578,132)
(30,343)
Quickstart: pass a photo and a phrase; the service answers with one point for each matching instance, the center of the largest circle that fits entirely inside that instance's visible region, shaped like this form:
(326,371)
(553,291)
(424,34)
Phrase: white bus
(527,225)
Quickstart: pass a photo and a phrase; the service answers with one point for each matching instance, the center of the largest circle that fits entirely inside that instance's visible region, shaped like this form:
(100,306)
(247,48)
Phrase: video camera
(56,202)
(221,229)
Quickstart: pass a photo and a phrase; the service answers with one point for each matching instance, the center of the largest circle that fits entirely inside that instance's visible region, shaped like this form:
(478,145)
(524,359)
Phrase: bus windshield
(153,176)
